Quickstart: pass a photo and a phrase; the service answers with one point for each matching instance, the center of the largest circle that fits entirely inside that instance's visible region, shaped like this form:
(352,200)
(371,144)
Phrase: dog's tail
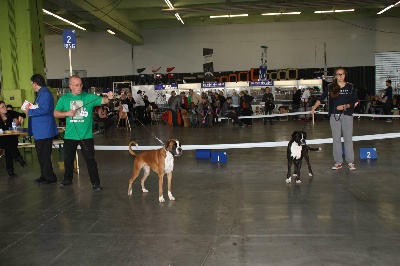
(130,149)
(313,149)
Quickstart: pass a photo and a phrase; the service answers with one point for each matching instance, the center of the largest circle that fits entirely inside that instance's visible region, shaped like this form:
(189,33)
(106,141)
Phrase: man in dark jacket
(227,111)
(268,99)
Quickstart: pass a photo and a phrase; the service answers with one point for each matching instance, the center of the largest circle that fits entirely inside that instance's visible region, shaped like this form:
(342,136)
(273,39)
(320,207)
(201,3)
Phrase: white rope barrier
(247,145)
(308,112)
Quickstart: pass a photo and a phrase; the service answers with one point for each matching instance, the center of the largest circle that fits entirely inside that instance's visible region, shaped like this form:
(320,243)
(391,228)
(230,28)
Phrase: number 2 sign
(69,39)
(368,153)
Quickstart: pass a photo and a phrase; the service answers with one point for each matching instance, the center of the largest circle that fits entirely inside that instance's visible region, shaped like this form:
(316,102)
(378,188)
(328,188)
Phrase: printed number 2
(368,154)
(68,39)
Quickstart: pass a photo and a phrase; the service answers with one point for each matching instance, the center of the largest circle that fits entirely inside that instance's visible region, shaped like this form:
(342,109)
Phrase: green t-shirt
(80,126)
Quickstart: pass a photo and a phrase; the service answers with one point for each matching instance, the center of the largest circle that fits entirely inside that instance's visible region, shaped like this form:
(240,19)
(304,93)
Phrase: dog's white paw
(130,192)
(170,196)
(310,174)
(161,198)
(298,181)
(289,180)
(145,190)
(294,175)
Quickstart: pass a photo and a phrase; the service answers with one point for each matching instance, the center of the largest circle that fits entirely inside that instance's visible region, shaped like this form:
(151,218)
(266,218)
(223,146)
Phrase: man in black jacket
(268,99)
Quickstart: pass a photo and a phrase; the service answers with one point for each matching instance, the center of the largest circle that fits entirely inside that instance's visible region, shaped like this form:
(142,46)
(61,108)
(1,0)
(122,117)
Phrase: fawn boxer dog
(161,161)
(296,150)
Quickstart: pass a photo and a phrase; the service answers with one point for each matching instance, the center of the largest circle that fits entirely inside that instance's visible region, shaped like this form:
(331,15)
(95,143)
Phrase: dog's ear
(169,144)
(166,145)
(304,135)
(294,134)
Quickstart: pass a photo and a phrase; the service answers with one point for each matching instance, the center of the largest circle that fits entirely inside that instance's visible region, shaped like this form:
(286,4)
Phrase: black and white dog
(297,150)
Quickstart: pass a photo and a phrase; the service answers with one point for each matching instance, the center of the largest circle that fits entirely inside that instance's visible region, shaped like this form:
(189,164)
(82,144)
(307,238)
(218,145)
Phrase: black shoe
(97,188)
(11,173)
(21,161)
(41,180)
(65,183)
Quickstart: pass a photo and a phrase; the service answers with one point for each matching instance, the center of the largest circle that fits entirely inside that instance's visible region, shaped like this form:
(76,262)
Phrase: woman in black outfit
(245,104)
(10,143)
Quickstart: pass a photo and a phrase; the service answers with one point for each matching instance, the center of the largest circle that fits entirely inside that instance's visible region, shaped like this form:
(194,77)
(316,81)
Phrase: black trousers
(140,113)
(174,118)
(247,112)
(10,145)
(87,149)
(43,150)
(234,117)
(267,112)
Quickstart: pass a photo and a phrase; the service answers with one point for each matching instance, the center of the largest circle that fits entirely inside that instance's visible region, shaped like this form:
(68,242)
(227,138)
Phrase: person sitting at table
(376,106)
(10,143)
(103,116)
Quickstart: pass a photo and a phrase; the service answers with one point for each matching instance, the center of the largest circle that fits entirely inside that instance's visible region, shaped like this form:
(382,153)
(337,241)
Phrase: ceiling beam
(104,15)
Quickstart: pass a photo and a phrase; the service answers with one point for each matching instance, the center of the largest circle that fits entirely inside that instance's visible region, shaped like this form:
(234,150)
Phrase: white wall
(100,54)
(236,47)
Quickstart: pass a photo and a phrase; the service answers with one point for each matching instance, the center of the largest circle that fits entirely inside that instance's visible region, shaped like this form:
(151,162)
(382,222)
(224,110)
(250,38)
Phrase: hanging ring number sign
(69,39)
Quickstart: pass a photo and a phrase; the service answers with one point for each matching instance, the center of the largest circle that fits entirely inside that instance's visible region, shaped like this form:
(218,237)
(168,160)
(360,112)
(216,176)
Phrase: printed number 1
(368,154)
(218,158)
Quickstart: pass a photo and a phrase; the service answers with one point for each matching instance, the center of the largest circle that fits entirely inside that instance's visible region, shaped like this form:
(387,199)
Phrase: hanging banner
(208,65)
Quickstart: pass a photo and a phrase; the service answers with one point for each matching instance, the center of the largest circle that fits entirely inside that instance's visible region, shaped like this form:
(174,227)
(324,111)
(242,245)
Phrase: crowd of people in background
(205,110)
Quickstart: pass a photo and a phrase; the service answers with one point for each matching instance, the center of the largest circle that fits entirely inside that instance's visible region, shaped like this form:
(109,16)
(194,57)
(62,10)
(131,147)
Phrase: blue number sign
(69,39)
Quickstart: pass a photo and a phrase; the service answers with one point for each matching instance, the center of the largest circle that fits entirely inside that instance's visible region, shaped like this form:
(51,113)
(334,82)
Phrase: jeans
(87,149)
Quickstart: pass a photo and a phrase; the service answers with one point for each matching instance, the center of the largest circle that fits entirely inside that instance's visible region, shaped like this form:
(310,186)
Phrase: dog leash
(162,143)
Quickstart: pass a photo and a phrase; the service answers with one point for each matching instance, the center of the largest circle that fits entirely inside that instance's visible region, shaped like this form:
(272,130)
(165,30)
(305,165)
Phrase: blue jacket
(41,120)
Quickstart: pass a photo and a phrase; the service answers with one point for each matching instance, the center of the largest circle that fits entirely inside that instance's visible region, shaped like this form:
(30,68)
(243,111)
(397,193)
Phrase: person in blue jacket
(42,126)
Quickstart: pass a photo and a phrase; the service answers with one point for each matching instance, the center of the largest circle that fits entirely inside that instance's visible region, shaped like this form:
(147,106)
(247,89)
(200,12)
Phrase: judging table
(14,133)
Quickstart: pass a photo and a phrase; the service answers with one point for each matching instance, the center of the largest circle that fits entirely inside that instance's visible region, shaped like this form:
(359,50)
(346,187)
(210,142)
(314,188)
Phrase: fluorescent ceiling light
(387,8)
(239,15)
(230,16)
(324,11)
(291,13)
(176,14)
(63,19)
(334,11)
(281,13)
(220,16)
(270,14)
(344,10)
(179,18)
(111,32)
(169,4)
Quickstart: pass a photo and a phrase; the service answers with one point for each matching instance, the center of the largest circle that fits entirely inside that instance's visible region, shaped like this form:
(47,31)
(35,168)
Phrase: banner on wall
(261,83)
(165,87)
(211,85)
(208,65)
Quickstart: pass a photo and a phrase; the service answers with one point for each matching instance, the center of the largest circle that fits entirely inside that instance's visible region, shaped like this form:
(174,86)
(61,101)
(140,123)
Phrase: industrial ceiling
(127,18)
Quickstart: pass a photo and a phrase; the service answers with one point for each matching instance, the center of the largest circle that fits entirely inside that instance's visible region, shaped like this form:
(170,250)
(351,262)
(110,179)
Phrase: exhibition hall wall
(236,47)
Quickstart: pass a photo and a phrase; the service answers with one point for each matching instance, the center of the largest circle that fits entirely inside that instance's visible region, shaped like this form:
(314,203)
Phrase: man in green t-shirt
(77,107)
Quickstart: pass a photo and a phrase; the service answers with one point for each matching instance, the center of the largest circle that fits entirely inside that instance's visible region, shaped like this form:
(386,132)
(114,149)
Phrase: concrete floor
(238,213)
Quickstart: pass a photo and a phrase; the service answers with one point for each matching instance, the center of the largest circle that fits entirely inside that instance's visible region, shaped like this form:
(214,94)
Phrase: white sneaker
(351,166)
(337,166)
